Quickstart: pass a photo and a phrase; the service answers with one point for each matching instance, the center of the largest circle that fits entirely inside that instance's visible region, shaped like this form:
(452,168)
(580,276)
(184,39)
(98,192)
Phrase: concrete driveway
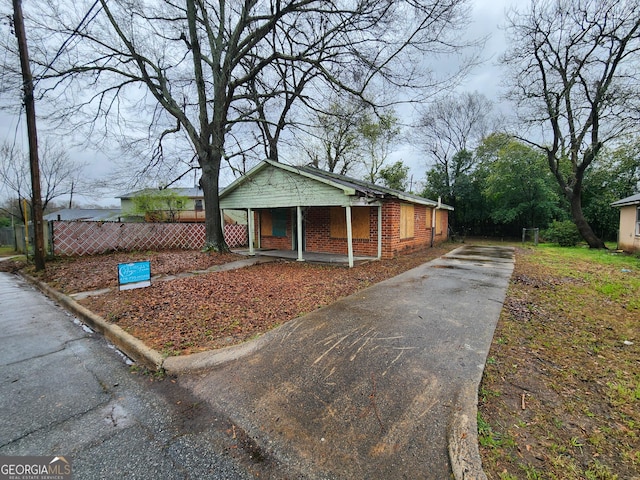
(375,385)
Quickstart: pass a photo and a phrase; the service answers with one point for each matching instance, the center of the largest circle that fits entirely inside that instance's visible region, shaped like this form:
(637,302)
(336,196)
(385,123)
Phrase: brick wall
(318,235)
(318,232)
(393,245)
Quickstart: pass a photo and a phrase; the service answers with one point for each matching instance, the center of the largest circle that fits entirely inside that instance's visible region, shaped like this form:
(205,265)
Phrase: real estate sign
(134,275)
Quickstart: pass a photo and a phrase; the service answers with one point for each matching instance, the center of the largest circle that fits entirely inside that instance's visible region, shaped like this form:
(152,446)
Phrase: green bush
(564,233)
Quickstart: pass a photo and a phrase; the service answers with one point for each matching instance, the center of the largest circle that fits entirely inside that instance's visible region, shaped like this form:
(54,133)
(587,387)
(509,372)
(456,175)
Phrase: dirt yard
(560,396)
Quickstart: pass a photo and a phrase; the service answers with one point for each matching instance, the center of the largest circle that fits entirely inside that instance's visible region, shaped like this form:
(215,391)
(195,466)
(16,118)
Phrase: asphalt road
(65,391)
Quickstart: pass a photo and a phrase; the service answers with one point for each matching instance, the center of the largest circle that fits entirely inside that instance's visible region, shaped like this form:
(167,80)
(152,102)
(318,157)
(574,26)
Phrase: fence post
(50,228)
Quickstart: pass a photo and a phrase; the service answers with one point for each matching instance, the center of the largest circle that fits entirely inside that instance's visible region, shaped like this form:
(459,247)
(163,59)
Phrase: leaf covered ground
(215,309)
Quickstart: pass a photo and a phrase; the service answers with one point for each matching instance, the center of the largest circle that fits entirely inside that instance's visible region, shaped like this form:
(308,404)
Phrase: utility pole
(29,104)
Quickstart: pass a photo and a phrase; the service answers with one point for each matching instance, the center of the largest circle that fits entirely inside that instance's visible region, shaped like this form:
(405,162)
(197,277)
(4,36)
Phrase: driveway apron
(366,387)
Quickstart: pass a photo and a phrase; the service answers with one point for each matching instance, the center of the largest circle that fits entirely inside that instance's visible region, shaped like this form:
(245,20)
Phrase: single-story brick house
(310,210)
(629,233)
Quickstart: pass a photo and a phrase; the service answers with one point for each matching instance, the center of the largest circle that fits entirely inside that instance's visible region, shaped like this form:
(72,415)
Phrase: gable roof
(350,186)
(632,200)
(88,214)
(189,192)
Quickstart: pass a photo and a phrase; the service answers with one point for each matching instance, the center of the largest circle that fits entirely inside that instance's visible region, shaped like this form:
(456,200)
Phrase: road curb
(463,437)
(128,344)
(212,358)
(138,351)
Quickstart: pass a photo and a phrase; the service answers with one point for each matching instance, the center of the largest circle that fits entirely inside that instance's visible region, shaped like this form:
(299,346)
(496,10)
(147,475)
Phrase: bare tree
(378,135)
(450,126)
(331,142)
(209,68)
(574,71)
(59,175)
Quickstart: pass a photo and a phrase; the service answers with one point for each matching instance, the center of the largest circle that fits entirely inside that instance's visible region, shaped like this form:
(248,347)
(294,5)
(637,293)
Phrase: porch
(313,257)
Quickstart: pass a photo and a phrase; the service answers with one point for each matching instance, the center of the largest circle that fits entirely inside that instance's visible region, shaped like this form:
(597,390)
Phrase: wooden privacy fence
(90,238)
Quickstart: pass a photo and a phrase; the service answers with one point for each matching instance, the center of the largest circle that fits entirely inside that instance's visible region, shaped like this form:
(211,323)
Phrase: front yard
(560,396)
(217,309)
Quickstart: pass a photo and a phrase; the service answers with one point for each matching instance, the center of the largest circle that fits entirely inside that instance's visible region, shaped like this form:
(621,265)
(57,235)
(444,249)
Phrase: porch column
(250,230)
(299,232)
(224,236)
(379,232)
(349,235)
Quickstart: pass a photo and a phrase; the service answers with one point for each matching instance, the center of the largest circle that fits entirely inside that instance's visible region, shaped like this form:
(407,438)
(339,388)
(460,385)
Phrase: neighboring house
(310,210)
(191,211)
(629,233)
(85,214)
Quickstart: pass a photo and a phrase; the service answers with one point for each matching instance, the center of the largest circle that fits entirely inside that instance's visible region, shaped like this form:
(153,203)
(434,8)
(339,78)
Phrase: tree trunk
(583,226)
(214,235)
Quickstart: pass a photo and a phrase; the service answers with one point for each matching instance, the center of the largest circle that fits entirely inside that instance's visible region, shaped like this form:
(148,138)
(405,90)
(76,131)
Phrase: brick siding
(318,236)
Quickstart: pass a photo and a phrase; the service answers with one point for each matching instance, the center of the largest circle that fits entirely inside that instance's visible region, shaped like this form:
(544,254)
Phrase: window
(198,205)
(407,221)
(439,222)
(638,221)
(279,225)
(273,223)
(359,222)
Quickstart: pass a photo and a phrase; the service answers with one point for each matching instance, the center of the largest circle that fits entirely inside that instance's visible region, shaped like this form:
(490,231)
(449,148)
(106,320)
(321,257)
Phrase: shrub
(564,233)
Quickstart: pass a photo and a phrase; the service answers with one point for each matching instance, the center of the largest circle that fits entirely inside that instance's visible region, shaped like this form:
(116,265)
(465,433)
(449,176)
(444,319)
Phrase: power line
(70,37)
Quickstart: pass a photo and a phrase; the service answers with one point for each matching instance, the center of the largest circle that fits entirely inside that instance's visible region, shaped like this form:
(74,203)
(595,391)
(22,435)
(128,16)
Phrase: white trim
(251,230)
(299,232)
(349,236)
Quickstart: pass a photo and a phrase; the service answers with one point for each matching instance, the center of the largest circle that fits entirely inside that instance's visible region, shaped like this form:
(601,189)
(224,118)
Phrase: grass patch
(6,251)
(565,361)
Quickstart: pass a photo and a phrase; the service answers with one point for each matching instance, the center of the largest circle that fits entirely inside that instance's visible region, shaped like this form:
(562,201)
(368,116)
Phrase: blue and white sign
(134,275)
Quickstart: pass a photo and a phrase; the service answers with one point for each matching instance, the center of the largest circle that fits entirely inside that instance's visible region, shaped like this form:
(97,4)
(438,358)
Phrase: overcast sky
(487,17)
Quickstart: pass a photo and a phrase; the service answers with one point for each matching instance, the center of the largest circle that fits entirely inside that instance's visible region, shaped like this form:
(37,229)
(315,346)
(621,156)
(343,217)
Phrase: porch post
(379,231)
(299,232)
(349,235)
(224,234)
(250,230)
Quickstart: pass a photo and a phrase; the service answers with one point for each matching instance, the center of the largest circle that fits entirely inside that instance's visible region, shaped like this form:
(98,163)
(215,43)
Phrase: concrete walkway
(382,384)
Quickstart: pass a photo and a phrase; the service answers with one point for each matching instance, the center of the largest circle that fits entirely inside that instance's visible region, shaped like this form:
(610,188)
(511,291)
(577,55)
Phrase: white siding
(629,238)
(275,188)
